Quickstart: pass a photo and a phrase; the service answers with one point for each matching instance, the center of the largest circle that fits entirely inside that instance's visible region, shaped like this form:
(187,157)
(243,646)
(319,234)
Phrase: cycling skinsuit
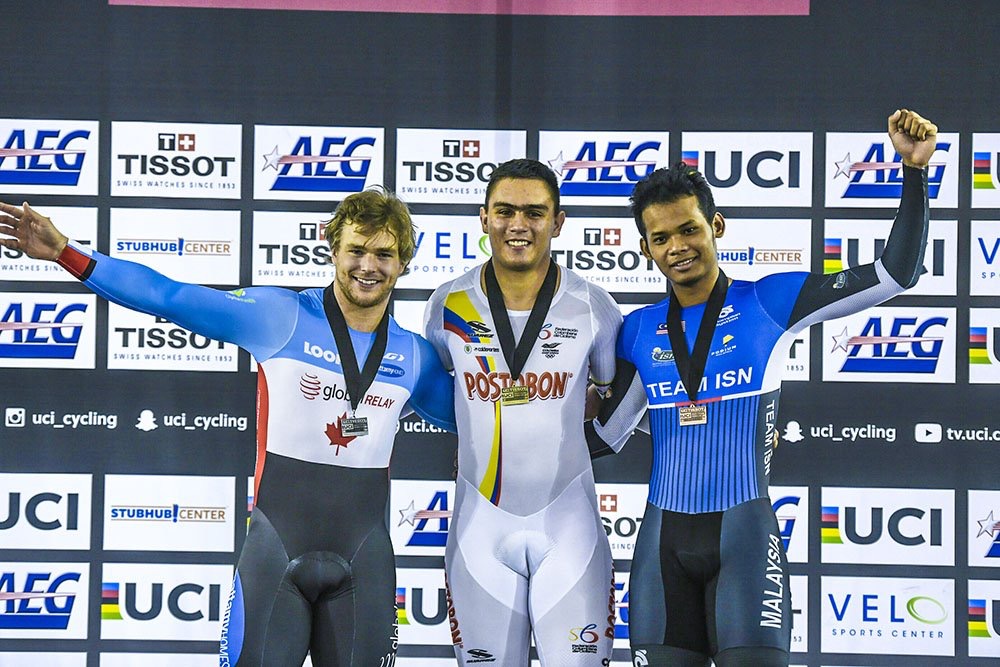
(317,570)
(526,550)
(709,573)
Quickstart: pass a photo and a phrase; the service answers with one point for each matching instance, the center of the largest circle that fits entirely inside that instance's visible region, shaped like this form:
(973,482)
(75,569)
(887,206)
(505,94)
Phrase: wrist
(909,163)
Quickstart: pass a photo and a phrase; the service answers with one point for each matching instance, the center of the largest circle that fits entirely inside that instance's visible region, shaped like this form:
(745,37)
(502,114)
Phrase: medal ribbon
(691,366)
(517,357)
(357,381)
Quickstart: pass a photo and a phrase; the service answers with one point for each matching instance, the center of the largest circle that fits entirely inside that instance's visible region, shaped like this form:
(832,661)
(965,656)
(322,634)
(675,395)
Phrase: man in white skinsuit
(526,551)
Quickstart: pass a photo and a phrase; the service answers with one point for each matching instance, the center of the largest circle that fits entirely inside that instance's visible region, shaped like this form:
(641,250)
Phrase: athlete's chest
(742,342)
(561,341)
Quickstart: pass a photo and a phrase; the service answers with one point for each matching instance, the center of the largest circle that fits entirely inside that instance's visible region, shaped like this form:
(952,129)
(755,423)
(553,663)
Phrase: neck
(360,318)
(520,288)
(692,295)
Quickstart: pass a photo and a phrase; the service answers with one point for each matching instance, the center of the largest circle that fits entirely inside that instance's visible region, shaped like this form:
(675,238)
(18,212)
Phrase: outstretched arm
(259,319)
(31,232)
(823,297)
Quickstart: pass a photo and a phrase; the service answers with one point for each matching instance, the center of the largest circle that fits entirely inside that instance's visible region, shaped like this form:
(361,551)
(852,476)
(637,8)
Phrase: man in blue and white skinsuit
(316,572)
(709,578)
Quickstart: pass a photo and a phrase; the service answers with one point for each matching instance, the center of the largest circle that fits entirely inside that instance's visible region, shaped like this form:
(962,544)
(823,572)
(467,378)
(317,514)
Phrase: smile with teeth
(683,264)
(517,243)
(367,282)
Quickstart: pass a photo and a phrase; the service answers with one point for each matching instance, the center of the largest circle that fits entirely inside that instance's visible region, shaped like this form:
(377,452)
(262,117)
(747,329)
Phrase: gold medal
(515,394)
(693,415)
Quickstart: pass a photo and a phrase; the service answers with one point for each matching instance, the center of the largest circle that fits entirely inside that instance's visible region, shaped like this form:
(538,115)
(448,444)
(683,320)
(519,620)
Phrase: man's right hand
(31,232)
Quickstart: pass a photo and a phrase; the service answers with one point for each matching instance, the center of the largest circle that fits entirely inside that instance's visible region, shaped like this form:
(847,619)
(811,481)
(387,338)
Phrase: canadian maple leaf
(337,438)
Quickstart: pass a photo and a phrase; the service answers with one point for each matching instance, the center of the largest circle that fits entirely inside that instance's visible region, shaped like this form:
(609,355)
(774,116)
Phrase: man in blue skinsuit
(316,572)
(709,578)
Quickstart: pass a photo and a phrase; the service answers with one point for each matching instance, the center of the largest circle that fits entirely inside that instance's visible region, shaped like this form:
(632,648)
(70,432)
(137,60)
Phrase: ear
(482,219)
(718,225)
(644,248)
(560,219)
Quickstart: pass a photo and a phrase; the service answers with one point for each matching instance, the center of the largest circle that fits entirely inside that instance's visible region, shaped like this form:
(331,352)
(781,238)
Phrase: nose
(368,263)
(518,221)
(676,244)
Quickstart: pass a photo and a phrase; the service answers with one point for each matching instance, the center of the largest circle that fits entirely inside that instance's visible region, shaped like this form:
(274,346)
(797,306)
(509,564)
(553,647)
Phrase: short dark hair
(668,184)
(524,168)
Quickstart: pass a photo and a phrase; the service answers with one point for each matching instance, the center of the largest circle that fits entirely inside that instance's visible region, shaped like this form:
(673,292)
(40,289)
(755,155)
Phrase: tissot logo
(599,236)
(451,166)
(290,250)
(176,160)
(144,342)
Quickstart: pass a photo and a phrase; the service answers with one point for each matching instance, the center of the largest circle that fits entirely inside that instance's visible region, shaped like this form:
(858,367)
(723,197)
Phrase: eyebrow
(526,207)
(359,246)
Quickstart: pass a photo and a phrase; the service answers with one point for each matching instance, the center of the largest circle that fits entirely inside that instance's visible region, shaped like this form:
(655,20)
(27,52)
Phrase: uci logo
(640,659)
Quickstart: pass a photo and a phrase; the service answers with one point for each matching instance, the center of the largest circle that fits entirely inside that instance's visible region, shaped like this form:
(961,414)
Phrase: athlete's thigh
(487,600)
(251,625)
(571,595)
(666,607)
(753,602)
(356,626)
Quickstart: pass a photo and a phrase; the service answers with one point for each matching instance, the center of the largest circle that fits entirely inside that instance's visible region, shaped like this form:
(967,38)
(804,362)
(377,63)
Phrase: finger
(10,209)
(894,121)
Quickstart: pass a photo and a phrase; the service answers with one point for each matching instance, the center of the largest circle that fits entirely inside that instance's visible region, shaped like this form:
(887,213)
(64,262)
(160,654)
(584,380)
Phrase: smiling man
(316,572)
(709,578)
(526,551)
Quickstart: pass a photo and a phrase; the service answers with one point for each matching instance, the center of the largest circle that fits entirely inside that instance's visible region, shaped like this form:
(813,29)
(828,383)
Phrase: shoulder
(646,320)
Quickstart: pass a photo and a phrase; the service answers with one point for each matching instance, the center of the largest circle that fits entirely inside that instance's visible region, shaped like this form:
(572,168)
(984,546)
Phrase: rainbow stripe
(977,618)
(110,611)
(978,353)
(830,526)
(690,158)
(401,618)
(982,172)
(832,256)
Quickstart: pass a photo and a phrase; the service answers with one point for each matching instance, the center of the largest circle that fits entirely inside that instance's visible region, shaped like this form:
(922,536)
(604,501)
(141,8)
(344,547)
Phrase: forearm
(904,250)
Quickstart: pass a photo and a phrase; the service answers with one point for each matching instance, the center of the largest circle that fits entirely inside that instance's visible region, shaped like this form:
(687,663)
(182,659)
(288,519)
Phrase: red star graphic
(337,439)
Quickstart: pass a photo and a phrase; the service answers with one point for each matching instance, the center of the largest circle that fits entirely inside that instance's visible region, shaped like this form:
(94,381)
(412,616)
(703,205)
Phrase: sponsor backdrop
(210,143)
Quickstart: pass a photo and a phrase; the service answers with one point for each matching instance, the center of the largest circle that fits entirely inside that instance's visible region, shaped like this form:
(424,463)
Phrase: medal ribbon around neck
(357,381)
(691,366)
(516,355)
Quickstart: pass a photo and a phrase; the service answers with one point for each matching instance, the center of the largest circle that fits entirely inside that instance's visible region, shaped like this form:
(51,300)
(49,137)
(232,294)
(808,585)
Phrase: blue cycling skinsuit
(316,572)
(709,575)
